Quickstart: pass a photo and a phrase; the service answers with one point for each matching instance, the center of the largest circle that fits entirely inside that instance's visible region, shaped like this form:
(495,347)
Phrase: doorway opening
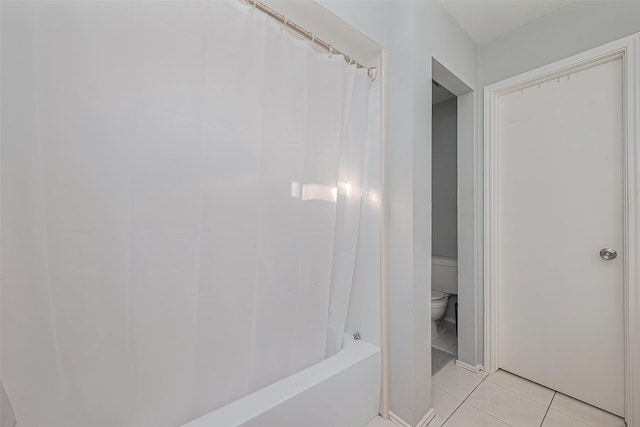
(454,311)
(444,225)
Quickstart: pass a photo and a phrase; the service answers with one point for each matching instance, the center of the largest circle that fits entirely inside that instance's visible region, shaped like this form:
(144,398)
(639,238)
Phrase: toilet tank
(444,274)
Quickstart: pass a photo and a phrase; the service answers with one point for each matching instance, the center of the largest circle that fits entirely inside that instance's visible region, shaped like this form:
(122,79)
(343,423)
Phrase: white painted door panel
(560,186)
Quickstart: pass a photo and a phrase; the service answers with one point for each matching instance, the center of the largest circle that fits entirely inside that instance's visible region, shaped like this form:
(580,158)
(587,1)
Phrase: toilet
(444,282)
(438,309)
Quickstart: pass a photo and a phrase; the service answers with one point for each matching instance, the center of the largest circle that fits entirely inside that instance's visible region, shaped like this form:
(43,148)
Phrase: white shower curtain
(181,186)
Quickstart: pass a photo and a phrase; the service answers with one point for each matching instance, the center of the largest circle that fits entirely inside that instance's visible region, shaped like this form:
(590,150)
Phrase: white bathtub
(341,391)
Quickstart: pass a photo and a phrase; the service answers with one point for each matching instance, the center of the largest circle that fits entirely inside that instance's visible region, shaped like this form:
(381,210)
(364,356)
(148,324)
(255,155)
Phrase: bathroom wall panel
(444,181)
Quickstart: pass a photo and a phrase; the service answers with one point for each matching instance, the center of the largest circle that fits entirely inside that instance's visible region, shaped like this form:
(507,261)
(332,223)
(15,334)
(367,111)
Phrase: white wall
(415,32)
(445,178)
(567,31)
(470,302)
(370,17)
(7,417)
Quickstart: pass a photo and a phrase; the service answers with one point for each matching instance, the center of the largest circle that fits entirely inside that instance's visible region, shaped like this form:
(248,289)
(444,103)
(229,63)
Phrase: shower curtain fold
(181,191)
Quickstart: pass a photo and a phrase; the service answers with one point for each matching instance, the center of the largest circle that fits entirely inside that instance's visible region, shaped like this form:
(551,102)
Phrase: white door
(560,187)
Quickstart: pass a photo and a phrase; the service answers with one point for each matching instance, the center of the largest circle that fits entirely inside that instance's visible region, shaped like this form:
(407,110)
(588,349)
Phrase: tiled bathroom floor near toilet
(448,341)
(463,399)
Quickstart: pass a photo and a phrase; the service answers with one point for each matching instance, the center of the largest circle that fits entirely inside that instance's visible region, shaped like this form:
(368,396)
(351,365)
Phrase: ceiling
(484,20)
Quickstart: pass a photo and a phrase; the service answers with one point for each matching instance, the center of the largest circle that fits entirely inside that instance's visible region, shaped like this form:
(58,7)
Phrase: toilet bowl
(438,309)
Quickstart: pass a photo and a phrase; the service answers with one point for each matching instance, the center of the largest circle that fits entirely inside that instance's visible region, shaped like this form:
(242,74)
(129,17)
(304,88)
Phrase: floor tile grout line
(578,419)
(437,346)
(446,392)
(548,408)
(482,379)
(474,389)
(451,414)
(555,393)
(522,395)
(491,415)
(528,380)
(465,399)
(451,346)
(572,417)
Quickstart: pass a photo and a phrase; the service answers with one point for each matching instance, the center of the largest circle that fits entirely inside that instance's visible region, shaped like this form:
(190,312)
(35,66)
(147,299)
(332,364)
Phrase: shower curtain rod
(372,72)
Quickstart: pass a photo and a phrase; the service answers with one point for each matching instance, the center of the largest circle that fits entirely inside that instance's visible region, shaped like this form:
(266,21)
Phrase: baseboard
(475,369)
(424,422)
(397,420)
(450,320)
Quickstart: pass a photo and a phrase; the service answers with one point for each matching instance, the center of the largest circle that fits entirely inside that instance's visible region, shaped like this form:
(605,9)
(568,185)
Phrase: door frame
(628,49)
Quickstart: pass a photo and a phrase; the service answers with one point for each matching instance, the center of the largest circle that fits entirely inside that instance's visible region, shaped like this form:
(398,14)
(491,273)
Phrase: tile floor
(463,399)
(447,342)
